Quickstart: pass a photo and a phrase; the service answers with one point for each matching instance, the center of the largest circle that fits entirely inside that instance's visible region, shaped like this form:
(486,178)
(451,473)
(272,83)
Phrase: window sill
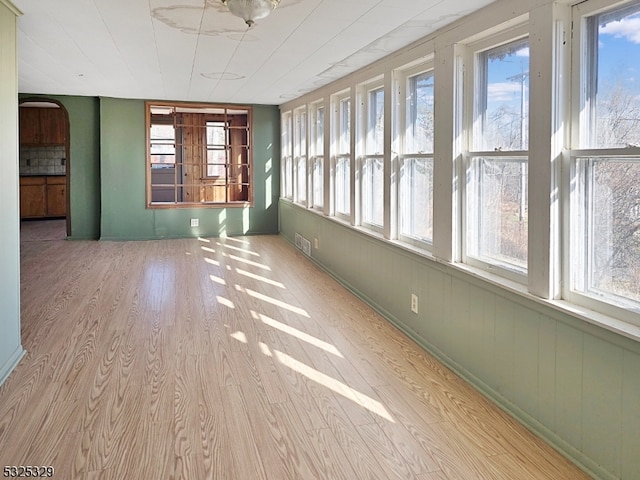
(170,205)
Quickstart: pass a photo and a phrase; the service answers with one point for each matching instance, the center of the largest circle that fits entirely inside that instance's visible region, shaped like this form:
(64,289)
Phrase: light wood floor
(235,359)
(50,229)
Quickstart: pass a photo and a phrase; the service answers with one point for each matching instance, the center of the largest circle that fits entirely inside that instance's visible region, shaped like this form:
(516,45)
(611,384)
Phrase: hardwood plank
(241,434)
(334,462)
(438,475)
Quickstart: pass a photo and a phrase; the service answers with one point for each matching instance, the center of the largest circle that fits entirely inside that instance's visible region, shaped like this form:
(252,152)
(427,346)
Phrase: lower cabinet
(56,196)
(43,196)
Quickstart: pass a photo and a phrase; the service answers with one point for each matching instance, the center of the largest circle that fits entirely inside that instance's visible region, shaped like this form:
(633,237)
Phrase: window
(300,154)
(604,247)
(317,155)
(198,155)
(372,162)
(342,157)
(496,213)
(415,163)
(287,156)
(217,141)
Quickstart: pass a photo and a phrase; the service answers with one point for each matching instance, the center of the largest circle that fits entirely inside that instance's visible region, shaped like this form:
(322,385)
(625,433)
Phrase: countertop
(42,174)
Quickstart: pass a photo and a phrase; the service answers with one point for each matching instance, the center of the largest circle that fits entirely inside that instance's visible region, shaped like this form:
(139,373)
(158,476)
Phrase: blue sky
(619,57)
(504,84)
(619,50)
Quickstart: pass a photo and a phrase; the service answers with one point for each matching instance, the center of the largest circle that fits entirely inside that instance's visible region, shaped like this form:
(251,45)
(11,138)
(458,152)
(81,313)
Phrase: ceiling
(195,50)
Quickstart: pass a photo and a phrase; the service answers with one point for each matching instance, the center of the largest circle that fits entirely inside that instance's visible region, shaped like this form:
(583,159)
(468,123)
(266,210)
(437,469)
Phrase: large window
(415,163)
(496,213)
(317,155)
(372,161)
(342,157)
(198,155)
(604,248)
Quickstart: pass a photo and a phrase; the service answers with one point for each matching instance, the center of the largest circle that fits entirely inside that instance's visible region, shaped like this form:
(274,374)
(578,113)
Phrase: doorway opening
(44,166)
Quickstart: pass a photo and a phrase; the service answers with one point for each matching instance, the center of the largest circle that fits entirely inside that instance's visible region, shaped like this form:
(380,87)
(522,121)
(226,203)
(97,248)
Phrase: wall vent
(306,247)
(298,241)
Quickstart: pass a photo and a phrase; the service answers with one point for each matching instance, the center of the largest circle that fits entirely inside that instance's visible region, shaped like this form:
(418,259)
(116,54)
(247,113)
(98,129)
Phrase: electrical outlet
(414,303)
(316,244)
(195,222)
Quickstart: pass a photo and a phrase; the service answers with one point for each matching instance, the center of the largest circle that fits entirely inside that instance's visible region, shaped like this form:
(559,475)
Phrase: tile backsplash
(43,160)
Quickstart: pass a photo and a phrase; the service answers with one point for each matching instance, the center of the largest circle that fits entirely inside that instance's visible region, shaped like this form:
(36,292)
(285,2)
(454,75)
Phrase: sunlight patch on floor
(273,301)
(294,332)
(219,280)
(260,278)
(248,262)
(336,386)
(243,250)
(225,301)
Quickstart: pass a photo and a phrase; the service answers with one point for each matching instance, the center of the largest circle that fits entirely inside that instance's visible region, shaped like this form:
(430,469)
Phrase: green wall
(575,384)
(11,350)
(122,171)
(83,162)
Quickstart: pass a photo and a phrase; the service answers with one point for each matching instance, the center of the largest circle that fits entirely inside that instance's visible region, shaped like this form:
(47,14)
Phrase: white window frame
(301,155)
(579,160)
(405,155)
(316,153)
(286,122)
(339,154)
(365,157)
(471,154)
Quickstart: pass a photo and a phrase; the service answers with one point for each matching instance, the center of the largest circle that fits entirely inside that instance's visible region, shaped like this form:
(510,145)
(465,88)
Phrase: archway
(44,160)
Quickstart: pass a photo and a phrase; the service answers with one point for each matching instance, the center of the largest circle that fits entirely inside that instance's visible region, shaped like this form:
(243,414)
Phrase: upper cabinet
(42,126)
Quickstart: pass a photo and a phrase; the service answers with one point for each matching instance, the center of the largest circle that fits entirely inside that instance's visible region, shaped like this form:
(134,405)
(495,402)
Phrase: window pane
(497,211)
(318,146)
(162,147)
(216,134)
(301,176)
(300,151)
(606,239)
(288,176)
(318,173)
(613,58)
(375,130)
(343,183)
(502,103)
(344,144)
(216,162)
(287,155)
(419,127)
(342,174)
(416,198)
(372,191)
(317,160)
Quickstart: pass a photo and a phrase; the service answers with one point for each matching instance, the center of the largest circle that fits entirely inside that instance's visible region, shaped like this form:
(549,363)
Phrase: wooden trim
(208,112)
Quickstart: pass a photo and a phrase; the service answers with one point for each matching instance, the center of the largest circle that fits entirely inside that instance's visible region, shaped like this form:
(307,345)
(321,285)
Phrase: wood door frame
(67,144)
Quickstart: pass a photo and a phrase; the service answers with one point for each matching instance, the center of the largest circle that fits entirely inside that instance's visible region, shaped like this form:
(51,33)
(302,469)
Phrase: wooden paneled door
(56,196)
(33,192)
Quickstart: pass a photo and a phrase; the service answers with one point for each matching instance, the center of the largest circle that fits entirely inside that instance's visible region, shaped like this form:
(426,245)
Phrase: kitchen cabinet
(56,196)
(33,197)
(42,126)
(43,196)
